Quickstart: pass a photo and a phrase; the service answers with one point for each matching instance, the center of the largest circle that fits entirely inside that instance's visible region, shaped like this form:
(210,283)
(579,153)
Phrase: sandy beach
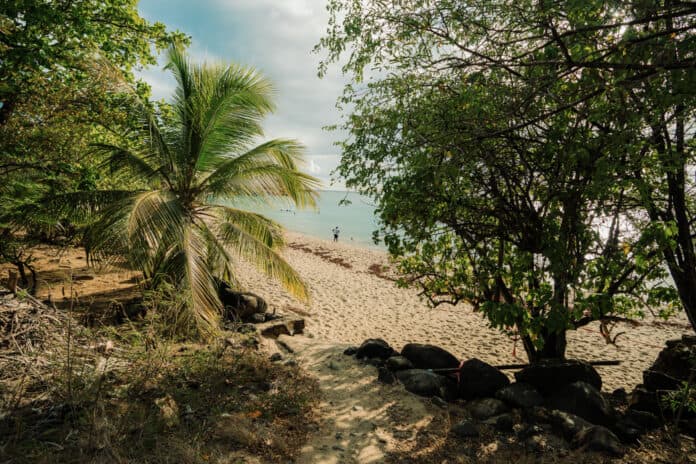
(350,303)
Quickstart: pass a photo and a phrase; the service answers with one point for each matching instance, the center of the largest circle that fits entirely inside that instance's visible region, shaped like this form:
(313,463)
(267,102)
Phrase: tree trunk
(6,110)
(554,346)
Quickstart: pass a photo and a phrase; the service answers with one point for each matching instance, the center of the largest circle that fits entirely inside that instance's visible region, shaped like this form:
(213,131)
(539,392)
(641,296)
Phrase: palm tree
(173,229)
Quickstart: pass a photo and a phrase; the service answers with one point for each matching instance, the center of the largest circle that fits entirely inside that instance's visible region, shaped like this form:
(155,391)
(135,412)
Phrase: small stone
(504,422)
(169,410)
(333,366)
(465,429)
(529,431)
(439,402)
(275,357)
(350,351)
(535,443)
(246,328)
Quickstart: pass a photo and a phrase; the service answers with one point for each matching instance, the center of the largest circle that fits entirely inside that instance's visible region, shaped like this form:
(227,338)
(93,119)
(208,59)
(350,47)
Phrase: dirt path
(358,420)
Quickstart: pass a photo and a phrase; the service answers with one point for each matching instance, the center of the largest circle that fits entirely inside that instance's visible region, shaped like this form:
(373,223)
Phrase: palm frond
(265,230)
(268,169)
(263,257)
(119,158)
(233,104)
(186,265)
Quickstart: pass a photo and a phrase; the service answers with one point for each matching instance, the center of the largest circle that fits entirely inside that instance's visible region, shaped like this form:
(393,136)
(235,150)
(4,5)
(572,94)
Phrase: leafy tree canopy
(496,138)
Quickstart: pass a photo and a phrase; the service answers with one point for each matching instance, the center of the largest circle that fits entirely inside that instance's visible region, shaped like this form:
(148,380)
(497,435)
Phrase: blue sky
(276,37)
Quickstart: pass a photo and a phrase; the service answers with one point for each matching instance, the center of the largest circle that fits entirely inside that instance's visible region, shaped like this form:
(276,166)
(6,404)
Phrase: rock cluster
(674,366)
(558,400)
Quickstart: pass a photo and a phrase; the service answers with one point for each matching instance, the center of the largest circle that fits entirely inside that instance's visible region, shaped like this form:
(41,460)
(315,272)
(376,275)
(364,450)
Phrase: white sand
(349,305)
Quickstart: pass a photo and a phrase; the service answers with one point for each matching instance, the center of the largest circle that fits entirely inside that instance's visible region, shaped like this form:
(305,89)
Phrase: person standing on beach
(336,231)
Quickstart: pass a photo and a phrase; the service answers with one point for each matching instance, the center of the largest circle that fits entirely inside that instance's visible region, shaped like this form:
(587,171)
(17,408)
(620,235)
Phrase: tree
(63,70)
(498,142)
(172,228)
(59,39)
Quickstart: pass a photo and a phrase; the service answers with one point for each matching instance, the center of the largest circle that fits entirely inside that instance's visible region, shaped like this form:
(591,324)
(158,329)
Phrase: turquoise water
(356,220)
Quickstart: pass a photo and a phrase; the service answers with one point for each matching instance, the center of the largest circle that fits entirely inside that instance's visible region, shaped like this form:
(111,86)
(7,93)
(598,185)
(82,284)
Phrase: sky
(276,37)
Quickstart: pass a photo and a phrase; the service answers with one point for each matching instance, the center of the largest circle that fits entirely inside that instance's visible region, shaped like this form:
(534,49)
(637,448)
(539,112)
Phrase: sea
(352,213)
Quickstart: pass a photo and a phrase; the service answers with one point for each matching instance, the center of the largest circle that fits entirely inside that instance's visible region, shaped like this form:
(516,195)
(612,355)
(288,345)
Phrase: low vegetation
(69,393)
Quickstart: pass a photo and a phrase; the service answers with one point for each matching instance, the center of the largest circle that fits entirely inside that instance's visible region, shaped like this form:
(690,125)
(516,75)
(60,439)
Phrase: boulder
(550,375)
(583,399)
(465,429)
(257,318)
(598,438)
(429,356)
(620,395)
(642,419)
(282,326)
(479,379)
(485,408)
(565,424)
(374,348)
(675,360)
(520,395)
(398,363)
(502,423)
(529,431)
(427,383)
(634,424)
(239,305)
(377,362)
(642,399)
(386,376)
(655,380)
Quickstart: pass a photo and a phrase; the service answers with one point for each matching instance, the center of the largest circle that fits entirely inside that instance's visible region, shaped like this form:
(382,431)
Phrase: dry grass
(69,393)
(435,445)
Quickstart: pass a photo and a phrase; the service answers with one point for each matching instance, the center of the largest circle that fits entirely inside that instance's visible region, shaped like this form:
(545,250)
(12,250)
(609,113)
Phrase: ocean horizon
(352,213)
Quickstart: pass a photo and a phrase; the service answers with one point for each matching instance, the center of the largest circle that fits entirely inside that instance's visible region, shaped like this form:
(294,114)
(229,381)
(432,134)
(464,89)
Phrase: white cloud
(277,38)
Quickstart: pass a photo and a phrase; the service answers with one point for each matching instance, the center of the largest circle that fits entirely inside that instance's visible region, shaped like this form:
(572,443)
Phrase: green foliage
(184,159)
(66,70)
(683,399)
(506,145)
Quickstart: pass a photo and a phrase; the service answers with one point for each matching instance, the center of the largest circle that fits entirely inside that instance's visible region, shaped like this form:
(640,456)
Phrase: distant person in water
(336,231)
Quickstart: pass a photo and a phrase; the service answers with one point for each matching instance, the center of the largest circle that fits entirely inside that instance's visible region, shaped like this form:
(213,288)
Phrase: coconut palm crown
(173,229)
